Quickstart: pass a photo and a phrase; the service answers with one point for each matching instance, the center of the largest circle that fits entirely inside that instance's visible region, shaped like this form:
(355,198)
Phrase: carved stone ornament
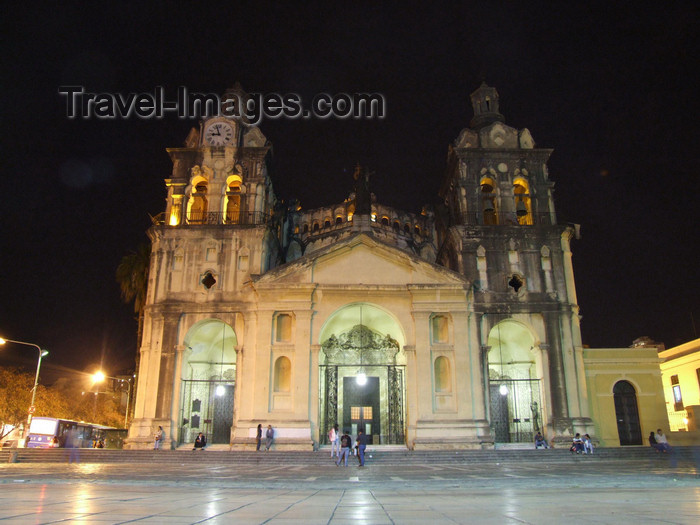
(360,346)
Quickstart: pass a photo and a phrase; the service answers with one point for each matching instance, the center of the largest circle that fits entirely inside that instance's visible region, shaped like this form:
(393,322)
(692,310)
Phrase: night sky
(613,90)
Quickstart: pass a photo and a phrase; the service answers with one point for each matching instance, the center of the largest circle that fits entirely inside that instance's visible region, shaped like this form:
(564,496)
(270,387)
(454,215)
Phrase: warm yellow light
(98,376)
(2,341)
(349,217)
(374,217)
(685,421)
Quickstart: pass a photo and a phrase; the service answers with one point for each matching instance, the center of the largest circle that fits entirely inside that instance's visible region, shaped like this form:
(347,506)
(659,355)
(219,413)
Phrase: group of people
(269,437)
(341,445)
(581,445)
(659,441)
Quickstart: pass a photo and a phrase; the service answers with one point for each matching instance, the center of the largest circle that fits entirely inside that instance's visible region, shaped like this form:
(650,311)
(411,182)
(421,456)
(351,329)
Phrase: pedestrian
(587,444)
(258,438)
(361,446)
(345,443)
(200,442)
(73,442)
(158,438)
(334,440)
(269,437)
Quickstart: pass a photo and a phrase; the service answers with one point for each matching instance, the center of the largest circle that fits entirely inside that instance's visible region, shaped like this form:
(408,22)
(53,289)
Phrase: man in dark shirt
(361,446)
(345,443)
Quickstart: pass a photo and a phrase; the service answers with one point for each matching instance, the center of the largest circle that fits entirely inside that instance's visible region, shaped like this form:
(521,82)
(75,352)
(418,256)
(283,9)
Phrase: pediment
(361,260)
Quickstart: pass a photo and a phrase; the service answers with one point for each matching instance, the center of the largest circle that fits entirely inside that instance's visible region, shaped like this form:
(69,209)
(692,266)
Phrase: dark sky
(613,89)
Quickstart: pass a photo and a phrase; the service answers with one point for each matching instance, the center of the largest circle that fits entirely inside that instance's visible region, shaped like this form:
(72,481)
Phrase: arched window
(443,376)
(316,227)
(407,228)
(327,223)
(339,219)
(306,228)
(283,375)
(489,201)
(198,204)
(397,226)
(521,193)
(385,221)
(233,199)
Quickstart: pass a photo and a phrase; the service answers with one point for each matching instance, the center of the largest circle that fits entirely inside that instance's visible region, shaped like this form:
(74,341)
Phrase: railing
(218,218)
(488,218)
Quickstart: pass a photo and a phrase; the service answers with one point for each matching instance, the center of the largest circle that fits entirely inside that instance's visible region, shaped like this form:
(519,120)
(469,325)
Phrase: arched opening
(489,201)
(233,200)
(198,205)
(523,207)
(208,380)
(627,414)
(362,374)
(515,378)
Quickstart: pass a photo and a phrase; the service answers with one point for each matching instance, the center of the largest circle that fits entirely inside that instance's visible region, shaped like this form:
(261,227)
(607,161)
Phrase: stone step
(377,455)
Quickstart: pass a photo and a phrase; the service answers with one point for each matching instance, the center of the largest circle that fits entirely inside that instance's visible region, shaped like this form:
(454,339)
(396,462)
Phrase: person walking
(158,438)
(361,446)
(334,439)
(345,444)
(258,438)
(269,437)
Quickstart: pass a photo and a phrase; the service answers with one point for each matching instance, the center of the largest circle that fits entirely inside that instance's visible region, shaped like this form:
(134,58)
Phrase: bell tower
(500,230)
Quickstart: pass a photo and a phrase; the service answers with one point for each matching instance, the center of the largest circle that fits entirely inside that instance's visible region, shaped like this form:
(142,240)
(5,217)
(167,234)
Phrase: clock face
(219,134)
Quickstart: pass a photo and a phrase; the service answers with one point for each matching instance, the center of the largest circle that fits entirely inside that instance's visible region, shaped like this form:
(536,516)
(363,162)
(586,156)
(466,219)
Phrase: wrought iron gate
(394,406)
(203,411)
(515,416)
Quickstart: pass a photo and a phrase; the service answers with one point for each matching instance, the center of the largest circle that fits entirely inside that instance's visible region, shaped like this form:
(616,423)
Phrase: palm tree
(132,276)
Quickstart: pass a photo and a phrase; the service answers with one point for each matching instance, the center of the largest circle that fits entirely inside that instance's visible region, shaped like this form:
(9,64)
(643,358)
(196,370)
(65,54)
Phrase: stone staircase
(375,455)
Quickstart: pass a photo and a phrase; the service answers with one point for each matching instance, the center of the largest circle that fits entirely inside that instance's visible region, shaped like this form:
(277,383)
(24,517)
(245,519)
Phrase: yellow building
(625,394)
(680,372)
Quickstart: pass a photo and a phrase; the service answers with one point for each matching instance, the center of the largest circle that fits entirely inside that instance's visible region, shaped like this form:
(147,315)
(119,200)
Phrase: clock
(219,134)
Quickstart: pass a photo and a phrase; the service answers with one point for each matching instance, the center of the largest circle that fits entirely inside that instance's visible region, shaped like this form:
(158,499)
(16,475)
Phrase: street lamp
(99,376)
(42,353)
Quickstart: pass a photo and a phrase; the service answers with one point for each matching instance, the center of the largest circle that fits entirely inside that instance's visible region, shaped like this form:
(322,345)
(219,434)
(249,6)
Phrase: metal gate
(515,416)
(394,407)
(203,411)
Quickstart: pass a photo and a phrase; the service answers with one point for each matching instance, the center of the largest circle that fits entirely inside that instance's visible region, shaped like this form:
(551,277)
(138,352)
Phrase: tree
(132,276)
(16,395)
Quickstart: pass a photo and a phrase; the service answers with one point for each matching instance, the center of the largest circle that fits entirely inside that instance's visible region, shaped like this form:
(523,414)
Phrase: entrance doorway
(515,379)
(627,414)
(362,375)
(208,382)
(361,408)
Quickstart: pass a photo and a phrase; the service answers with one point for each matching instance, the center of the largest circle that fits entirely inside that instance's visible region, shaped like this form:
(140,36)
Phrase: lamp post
(99,376)
(42,353)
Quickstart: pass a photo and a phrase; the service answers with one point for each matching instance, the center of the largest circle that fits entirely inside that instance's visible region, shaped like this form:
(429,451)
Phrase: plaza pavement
(655,490)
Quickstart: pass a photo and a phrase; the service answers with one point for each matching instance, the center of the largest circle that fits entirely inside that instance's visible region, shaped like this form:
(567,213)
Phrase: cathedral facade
(456,327)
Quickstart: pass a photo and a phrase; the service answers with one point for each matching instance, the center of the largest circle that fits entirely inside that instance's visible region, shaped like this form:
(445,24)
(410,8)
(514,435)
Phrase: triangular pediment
(361,260)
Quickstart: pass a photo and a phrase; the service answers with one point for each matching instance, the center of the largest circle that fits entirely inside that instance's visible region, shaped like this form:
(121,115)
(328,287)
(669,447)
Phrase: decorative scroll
(360,345)
(331,401)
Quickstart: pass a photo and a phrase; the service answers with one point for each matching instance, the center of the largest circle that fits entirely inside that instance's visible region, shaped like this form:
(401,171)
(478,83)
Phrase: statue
(363,197)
